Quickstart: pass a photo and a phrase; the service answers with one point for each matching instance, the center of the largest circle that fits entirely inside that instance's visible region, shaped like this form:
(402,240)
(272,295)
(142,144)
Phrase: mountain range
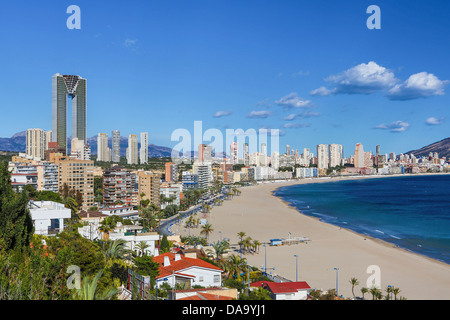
(17,143)
(441,147)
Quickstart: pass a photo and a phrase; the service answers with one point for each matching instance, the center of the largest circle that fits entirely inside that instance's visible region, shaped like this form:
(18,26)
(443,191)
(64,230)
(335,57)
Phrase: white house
(48,216)
(136,234)
(179,268)
(285,290)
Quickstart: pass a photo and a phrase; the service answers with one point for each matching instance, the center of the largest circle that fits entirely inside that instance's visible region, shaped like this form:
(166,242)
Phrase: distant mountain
(441,147)
(17,143)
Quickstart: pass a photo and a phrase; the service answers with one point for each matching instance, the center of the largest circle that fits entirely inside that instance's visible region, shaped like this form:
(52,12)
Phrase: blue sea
(412,212)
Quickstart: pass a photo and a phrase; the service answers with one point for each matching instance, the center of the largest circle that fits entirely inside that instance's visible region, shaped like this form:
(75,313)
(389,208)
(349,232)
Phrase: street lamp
(337,271)
(296,267)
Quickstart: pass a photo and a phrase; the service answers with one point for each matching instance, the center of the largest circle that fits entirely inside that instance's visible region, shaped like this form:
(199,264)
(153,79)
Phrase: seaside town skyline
(284,132)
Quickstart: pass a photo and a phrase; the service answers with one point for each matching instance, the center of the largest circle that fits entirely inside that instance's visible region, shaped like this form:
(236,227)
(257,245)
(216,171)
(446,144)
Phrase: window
(216,278)
(200,279)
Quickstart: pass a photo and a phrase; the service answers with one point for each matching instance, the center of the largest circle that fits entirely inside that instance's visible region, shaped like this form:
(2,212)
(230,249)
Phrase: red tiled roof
(282,287)
(181,264)
(206,296)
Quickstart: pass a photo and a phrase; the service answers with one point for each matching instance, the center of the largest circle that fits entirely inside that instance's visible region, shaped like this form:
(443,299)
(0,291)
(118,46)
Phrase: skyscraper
(103,151)
(234,152)
(75,88)
(143,152)
(37,142)
(246,155)
(115,153)
(322,156)
(336,154)
(359,156)
(132,150)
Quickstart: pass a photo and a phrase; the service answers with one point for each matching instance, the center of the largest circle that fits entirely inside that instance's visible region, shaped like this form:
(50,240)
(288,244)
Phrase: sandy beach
(263,216)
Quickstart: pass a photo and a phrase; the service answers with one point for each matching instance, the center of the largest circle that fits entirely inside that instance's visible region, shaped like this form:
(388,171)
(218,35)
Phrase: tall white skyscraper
(306,157)
(234,152)
(275,160)
(246,155)
(132,150)
(336,154)
(322,156)
(143,152)
(115,153)
(79,150)
(103,151)
(359,156)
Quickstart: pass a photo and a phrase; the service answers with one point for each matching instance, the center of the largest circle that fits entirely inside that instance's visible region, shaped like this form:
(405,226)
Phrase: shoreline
(263,216)
(373,238)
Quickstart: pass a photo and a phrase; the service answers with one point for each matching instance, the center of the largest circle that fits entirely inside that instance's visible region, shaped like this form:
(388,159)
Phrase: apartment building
(149,186)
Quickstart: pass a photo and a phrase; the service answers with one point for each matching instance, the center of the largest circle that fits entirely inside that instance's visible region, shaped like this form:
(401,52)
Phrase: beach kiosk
(276,242)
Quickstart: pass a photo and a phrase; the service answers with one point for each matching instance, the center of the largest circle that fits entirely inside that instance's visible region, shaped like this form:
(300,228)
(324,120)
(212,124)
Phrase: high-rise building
(204,172)
(306,157)
(118,186)
(115,152)
(132,150)
(201,152)
(79,175)
(171,172)
(149,186)
(336,154)
(322,156)
(79,150)
(75,88)
(275,160)
(234,148)
(143,152)
(103,151)
(263,158)
(359,156)
(246,155)
(37,142)
(288,150)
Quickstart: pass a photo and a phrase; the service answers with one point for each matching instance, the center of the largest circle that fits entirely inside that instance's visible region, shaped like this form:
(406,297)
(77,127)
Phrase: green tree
(89,291)
(164,245)
(354,282)
(16,226)
(206,230)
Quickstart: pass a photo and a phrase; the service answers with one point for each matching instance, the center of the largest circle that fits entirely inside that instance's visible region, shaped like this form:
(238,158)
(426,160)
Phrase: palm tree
(395,291)
(237,264)
(105,229)
(88,290)
(363,291)
(141,246)
(220,247)
(354,282)
(375,293)
(206,230)
(241,235)
(257,244)
(116,250)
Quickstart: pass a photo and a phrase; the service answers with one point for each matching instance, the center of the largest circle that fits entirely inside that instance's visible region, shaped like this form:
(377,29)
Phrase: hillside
(441,147)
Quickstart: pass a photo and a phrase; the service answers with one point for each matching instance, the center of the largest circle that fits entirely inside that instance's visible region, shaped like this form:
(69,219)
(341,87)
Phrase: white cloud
(364,78)
(259,114)
(322,91)
(293,100)
(419,85)
(432,121)
(301,115)
(396,126)
(220,114)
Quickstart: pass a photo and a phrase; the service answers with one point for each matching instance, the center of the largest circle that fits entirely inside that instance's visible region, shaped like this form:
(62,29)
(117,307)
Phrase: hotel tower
(62,87)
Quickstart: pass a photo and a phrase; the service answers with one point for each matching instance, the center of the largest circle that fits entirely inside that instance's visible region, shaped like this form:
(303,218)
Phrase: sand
(263,216)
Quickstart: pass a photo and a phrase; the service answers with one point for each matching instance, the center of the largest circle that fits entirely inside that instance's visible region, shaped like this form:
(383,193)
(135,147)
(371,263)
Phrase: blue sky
(309,68)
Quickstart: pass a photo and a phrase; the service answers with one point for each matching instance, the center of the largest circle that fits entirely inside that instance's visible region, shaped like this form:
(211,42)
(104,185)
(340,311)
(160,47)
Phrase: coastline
(263,216)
